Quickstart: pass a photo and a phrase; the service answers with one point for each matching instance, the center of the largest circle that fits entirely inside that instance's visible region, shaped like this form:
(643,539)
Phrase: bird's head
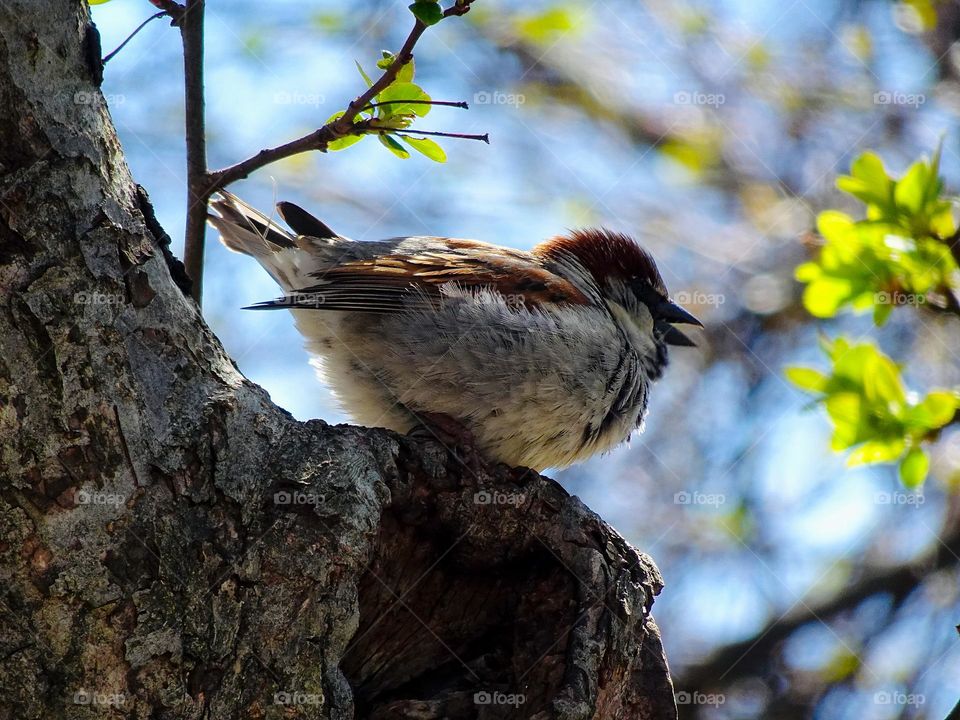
(613,269)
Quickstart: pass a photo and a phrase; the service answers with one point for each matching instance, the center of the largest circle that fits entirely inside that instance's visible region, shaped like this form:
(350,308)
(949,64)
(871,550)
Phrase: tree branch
(341,127)
(132,35)
(444,103)
(174,9)
(755,654)
(235,562)
(402,132)
(191,33)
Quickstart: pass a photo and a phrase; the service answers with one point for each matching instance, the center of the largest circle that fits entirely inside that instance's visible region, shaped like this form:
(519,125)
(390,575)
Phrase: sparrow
(544,357)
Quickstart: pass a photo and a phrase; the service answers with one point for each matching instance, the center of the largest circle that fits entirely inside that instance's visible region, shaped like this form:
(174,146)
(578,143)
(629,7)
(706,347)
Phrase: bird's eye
(646,293)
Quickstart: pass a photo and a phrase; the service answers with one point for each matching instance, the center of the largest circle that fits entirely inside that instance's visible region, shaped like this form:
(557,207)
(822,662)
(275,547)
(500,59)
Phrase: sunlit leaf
(547,25)
(393,146)
(824,296)
(834,224)
(911,189)
(807,378)
(427,12)
(406,72)
(935,410)
(881,380)
(426,146)
(403,91)
(876,451)
(363,74)
(344,142)
(914,468)
(881,313)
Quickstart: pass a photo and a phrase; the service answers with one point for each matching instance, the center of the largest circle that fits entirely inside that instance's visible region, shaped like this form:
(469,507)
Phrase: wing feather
(403,281)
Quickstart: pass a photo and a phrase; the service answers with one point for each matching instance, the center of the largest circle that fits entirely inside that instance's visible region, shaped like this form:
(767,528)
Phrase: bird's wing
(411,276)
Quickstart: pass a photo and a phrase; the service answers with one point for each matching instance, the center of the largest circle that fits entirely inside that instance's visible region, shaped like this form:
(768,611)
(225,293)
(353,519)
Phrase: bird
(539,359)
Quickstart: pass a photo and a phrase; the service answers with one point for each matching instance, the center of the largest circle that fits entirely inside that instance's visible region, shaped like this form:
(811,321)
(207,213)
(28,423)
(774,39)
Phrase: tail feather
(302,222)
(246,230)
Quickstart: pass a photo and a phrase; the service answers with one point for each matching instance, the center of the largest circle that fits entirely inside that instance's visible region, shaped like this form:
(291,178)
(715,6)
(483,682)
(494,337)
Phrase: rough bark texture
(175,546)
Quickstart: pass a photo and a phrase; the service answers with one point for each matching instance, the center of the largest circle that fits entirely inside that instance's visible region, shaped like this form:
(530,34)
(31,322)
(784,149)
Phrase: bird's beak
(673,313)
(668,312)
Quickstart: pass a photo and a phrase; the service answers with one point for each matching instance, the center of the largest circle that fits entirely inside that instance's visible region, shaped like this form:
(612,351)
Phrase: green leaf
(869,168)
(426,146)
(881,313)
(824,296)
(834,224)
(406,72)
(881,380)
(876,451)
(427,12)
(393,146)
(403,91)
(843,665)
(366,78)
(934,184)
(911,188)
(807,379)
(549,24)
(935,410)
(914,468)
(845,409)
(344,142)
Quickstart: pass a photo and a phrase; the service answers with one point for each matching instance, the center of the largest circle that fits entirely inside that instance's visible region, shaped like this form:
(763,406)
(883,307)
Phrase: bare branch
(174,9)
(445,103)
(404,132)
(191,33)
(132,35)
(753,655)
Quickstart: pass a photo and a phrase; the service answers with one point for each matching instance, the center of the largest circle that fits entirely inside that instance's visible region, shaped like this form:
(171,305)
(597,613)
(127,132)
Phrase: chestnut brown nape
(606,254)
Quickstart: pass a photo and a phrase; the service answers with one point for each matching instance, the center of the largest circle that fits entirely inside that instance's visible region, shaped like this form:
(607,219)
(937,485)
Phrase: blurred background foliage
(801,582)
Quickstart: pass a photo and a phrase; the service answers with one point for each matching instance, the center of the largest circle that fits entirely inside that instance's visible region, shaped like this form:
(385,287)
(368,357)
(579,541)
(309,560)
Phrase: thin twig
(191,32)
(174,9)
(341,127)
(404,132)
(130,37)
(445,103)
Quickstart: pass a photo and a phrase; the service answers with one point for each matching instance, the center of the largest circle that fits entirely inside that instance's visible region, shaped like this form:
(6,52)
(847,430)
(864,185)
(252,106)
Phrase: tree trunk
(175,546)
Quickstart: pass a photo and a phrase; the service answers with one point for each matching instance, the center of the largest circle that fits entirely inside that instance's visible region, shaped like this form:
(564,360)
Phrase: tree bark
(176,546)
